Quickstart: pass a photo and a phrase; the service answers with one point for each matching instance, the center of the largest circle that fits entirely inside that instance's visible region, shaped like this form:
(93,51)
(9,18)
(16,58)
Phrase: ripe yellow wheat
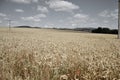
(46,54)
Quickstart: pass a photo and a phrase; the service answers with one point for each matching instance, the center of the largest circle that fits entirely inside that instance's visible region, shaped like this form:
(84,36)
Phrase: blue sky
(59,13)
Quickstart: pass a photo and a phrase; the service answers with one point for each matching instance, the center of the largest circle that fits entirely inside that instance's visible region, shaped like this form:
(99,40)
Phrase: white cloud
(3,15)
(81,16)
(42,9)
(35,18)
(105,21)
(24,1)
(0,21)
(79,20)
(114,14)
(74,25)
(61,21)
(109,14)
(31,19)
(49,25)
(104,13)
(40,16)
(61,5)
(35,1)
(5,18)
(19,10)
(14,23)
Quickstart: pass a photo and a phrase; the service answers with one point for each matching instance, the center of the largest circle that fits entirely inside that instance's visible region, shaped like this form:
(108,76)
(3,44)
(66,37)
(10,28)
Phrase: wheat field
(46,54)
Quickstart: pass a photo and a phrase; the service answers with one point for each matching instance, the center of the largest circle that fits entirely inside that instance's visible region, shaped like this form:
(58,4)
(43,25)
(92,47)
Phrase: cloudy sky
(59,13)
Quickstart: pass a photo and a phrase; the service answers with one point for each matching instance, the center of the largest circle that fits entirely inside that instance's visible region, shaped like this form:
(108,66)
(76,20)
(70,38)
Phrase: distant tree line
(105,30)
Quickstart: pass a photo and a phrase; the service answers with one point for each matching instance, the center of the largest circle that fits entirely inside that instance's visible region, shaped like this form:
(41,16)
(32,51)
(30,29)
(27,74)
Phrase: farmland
(45,54)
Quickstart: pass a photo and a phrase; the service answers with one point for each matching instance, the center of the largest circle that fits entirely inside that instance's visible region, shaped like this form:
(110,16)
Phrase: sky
(60,13)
